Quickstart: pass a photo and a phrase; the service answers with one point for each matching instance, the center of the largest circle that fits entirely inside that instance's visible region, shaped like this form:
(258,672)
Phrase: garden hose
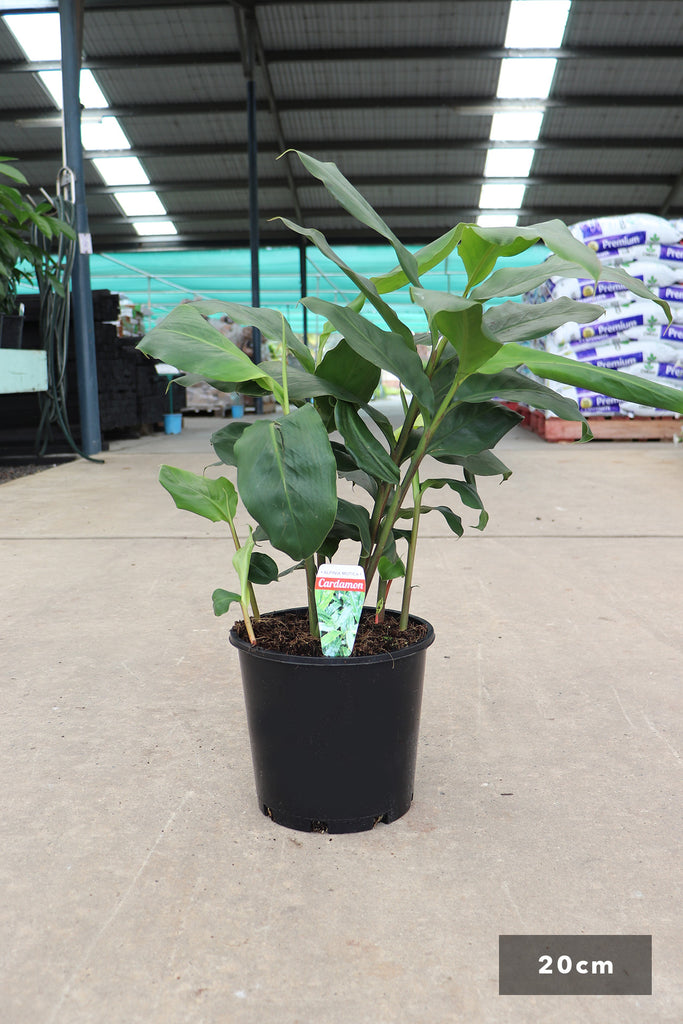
(55,319)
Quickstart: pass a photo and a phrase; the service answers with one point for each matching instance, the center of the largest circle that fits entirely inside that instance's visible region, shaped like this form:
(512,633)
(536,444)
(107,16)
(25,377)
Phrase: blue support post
(82,308)
(252,156)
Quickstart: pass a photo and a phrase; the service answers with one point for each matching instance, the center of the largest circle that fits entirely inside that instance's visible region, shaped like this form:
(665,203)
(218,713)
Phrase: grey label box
(536,965)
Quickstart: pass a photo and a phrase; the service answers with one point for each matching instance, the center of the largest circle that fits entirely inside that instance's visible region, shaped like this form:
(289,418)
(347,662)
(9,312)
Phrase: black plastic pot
(333,740)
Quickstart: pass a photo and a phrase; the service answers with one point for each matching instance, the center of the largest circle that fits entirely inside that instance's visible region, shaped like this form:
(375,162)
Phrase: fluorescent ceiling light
(508,163)
(140,204)
(121,170)
(159,227)
(526,77)
(501,197)
(516,126)
(106,135)
(37,34)
(502,220)
(537,23)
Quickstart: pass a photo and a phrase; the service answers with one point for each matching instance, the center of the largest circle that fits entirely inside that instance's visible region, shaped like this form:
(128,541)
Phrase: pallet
(606,428)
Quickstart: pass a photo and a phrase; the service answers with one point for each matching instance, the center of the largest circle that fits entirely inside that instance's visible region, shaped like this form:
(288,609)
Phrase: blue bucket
(173,422)
(237,411)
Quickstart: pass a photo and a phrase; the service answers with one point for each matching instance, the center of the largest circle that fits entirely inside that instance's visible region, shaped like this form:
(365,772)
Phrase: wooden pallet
(606,428)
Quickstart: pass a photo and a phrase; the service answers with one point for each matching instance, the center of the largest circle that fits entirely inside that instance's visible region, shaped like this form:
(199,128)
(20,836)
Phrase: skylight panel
(140,204)
(501,197)
(537,23)
(497,220)
(37,34)
(91,95)
(106,134)
(525,77)
(508,163)
(159,227)
(121,170)
(516,125)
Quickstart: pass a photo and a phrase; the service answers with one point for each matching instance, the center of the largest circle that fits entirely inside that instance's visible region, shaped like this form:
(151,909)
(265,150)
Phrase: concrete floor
(141,884)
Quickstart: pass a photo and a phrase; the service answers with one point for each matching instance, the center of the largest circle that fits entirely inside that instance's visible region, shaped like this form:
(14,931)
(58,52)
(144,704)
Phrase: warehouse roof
(399,94)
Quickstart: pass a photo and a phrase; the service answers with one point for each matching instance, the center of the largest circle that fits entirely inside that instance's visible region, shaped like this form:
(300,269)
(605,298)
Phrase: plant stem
(382,591)
(248,625)
(252,595)
(285,392)
(412,548)
(310,588)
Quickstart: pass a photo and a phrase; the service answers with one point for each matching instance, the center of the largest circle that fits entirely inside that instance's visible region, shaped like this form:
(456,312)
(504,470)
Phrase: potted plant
(19,218)
(334,738)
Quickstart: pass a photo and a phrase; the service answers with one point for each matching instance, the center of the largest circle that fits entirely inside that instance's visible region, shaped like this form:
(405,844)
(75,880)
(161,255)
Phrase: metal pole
(84,327)
(252,152)
(304,286)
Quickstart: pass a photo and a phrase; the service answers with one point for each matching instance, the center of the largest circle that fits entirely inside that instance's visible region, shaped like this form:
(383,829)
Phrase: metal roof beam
(353,55)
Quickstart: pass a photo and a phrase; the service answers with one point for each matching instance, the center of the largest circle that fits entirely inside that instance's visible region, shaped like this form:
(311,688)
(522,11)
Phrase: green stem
(400,492)
(310,588)
(252,595)
(412,548)
(285,392)
(248,624)
(382,589)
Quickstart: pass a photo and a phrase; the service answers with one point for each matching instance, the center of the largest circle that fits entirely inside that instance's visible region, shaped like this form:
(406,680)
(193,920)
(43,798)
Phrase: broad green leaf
(519,321)
(365,448)
(346,369)
(512,386)
(517,280)
(617,384)
(223,599)
(480,248)
(302,385)
(227,387)
(268,321)
(430,256)
(390,568)
(354,203)
(382,348)
(364,285)
(262,569)
(481,464)
(213,499)
(348,469)
(356,517)
(470,429)
(286,475)
(459,320)
(223,441)
(185,340)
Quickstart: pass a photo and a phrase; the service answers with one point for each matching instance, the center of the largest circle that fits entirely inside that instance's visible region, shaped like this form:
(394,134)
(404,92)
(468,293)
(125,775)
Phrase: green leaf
(470,429)
(512,386)
(213,499)
(480,248)
(430,256)
(468,495)
(286,476)
(223,441)
(344,368)
(268,321)
(185,340)
(390,568)
(354,203)
(357,518)
(222,599)
(241,561)
(518,321)
(624,386)
(262,569)
(517,280)
(365,286)
(11,172)
(459,320)
(454,521)
(365,448)
(348,469)
(382,348)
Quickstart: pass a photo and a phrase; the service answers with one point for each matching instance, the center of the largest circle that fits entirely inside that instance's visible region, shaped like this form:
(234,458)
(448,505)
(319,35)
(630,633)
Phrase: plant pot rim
(327,664)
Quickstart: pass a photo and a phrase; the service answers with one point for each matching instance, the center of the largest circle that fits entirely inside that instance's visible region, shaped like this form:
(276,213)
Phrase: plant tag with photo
(339,596)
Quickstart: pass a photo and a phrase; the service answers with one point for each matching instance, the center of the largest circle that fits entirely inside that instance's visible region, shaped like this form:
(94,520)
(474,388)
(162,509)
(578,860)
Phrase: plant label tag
(339,596)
